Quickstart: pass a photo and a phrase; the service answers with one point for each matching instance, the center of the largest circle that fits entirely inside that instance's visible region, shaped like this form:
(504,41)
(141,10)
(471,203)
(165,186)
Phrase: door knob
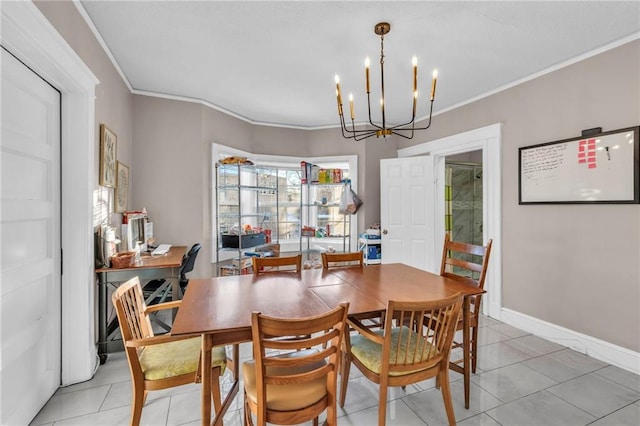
(384,231)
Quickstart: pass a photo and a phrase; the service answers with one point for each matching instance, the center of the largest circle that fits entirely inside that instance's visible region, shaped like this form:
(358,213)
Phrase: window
(284,214)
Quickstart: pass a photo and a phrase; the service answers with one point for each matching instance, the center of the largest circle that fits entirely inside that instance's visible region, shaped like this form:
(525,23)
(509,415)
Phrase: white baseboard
(595,348)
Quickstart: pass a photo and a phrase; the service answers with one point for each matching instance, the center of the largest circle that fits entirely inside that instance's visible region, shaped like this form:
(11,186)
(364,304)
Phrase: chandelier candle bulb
(367,64)
(414,61)
(415,101)
(433,84)
(351,105)
(339,97)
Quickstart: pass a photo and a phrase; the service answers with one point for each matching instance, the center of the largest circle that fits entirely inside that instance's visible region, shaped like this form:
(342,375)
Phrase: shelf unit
(321,204)
(372,249)
(246,195)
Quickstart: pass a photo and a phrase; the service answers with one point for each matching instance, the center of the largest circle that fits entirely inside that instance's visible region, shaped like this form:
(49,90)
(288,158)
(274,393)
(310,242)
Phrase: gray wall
(113,99)
(172,158)
(571,265)
(552,268)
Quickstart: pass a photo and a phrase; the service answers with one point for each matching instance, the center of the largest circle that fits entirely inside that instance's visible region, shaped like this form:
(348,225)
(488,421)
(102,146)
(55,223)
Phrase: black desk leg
(102,318)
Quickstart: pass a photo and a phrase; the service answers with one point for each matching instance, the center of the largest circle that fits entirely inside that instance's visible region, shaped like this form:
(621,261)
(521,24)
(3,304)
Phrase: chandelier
(405,130)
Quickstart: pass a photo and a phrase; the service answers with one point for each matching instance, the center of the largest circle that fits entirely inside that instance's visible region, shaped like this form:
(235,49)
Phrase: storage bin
(248,240)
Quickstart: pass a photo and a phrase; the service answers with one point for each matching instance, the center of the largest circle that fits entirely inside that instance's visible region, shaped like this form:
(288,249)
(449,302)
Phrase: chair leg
(474,349)
(215,390)
(344,375)
(248,421)
(446,395)
(139,396)
(382,407)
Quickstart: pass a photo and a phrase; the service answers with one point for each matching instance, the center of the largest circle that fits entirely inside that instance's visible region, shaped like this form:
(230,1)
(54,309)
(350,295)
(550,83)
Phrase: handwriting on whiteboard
(542,162)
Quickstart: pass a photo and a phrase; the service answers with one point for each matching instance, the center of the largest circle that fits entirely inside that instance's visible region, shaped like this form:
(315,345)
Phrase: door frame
(489,140)
(30,37)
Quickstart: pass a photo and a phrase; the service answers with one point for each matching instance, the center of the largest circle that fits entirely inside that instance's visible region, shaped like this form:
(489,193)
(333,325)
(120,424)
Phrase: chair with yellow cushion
(297,384)
(163,361)
(414,345)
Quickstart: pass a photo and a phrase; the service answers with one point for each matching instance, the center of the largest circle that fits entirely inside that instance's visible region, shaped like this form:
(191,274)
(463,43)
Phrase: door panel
(406,201)
(30,296)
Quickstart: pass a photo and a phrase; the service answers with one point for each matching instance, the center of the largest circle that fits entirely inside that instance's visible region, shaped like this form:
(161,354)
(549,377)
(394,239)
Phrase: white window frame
(285,162)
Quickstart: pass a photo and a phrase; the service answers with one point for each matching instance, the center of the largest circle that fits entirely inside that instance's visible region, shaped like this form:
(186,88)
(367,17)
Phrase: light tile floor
(521,380)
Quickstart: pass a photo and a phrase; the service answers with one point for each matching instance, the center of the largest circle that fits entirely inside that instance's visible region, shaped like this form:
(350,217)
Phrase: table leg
(466,349)
(206,379)
(102,318)
(217,421)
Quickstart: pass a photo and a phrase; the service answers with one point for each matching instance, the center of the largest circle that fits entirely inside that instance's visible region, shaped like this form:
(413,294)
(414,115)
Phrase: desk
(149,268)
(220,308)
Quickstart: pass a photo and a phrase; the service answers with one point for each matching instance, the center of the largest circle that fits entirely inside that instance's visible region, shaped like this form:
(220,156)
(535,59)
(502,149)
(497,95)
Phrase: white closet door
(407,211)
(30,275)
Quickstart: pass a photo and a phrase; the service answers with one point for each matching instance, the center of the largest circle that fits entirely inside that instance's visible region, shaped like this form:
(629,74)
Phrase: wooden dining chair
(332,260)
(468,263)
(163,361)
(414,345)
(263,265)
(297,384)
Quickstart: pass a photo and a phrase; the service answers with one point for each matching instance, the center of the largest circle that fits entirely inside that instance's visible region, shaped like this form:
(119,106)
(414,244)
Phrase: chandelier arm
(369,108)
(357,134)
(365,136)
(403,136)
(429,122)
(403,126)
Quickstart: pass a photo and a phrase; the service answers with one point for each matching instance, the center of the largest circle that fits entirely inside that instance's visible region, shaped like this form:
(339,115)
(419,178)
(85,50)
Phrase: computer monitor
(137,230)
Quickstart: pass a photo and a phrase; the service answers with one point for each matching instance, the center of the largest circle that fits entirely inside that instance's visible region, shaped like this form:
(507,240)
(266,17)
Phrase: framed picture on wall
(122,188)
(108,141)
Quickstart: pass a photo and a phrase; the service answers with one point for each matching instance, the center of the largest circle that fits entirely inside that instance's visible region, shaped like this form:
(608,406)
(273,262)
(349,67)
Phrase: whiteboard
(593,169)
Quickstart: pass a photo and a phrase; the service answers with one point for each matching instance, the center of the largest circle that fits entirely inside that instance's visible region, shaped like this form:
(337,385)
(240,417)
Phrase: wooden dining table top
(223,305)
(219,309)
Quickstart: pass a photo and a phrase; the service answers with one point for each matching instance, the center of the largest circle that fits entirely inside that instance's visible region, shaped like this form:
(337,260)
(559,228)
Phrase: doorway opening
(463,197)
(487,141)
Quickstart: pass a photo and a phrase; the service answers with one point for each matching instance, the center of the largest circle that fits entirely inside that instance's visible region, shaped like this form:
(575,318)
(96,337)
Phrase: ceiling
(273,62)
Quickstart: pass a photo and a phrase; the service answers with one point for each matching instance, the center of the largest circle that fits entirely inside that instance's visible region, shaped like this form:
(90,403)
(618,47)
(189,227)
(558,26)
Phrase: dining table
(219,309)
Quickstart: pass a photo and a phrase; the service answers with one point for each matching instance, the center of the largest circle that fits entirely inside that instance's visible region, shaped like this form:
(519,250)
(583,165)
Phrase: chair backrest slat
(300,360)
(418,335)
(262,265)
(330,260)
(130,309)
(460,261)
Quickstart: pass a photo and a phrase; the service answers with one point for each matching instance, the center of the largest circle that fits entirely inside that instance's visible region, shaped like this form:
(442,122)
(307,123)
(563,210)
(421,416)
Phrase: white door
(30,275)
(407,211)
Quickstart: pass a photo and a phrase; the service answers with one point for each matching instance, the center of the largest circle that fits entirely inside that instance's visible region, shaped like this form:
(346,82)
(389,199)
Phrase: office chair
(159,290)
(188,263)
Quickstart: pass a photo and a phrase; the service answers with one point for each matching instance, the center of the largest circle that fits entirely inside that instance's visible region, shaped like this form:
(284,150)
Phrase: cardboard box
(244,262)
(227,270)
